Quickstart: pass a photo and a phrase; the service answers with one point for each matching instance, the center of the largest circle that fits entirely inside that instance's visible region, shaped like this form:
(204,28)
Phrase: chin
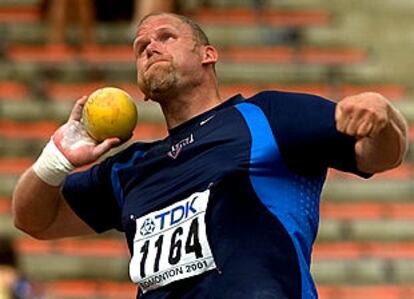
(160,85)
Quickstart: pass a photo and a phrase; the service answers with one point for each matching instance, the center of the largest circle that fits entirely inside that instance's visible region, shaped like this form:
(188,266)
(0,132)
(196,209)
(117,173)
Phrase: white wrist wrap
(52,166)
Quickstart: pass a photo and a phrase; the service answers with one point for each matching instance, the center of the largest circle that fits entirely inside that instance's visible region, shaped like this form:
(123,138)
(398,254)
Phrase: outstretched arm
(38,205)
(379,128)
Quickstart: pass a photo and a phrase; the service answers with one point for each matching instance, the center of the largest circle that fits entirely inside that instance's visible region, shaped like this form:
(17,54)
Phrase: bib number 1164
(174,248)
(172,244)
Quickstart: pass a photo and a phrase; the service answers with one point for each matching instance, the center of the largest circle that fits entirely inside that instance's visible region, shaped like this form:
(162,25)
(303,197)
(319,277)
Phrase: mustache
(151,61)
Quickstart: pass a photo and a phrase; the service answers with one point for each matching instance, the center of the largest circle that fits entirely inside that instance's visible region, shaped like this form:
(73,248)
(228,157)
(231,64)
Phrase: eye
(140,47)
(165,36)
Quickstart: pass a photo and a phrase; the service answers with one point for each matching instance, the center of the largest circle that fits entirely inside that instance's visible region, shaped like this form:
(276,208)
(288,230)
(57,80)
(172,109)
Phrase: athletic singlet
(227,206)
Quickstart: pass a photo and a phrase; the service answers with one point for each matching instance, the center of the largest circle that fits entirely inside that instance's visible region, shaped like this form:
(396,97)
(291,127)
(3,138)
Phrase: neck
(186,105)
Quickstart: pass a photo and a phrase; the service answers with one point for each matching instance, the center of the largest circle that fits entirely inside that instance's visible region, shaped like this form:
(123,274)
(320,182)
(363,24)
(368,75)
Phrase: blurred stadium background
(365,248)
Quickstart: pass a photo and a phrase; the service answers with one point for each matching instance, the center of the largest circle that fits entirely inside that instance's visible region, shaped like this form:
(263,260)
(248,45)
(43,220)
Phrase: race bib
(171,244)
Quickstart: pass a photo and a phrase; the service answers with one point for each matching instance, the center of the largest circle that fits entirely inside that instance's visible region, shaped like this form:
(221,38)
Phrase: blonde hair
(198,33)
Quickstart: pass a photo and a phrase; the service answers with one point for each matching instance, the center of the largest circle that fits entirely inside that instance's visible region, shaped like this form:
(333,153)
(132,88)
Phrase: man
(226,206)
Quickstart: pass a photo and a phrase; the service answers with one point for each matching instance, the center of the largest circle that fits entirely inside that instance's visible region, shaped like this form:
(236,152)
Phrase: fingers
(365,129)
(76,113)
(359,125)
(360,116)
(105,146)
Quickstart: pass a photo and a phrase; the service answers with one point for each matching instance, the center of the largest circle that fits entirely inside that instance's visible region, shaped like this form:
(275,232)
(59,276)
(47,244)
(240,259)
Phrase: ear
(210,55)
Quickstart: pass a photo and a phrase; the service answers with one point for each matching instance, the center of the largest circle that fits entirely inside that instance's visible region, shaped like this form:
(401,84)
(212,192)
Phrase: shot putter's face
(167,55)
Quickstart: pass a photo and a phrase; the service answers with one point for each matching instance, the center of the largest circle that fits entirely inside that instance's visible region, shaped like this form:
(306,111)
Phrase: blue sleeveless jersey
(263,161)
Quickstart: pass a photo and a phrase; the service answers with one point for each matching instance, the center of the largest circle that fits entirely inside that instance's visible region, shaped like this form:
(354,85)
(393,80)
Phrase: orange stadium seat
(14,166)
(20,13)
(286,18)
(394,92)
(13,90)
(45,129)
(404,171)
(25,53)
(349,250)
(72,91)
(5,205)
(366,292)
(27,130)
(366,210)
(74,247)
(247,55)
(339,56)
(89,289)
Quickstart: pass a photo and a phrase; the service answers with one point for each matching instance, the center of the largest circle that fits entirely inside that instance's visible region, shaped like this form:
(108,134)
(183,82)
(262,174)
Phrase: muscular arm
(41,211)
(380,129)
(39,208)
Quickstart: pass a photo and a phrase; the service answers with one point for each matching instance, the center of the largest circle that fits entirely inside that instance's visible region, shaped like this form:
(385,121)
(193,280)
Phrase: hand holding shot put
(97,124)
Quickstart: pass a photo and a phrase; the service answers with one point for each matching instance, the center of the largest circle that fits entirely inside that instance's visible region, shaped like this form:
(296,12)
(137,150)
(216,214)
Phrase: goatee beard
(160,84)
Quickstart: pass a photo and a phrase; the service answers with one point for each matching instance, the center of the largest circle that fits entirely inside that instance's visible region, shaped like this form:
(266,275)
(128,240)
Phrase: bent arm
(41,211)
(39,207)
(380,129)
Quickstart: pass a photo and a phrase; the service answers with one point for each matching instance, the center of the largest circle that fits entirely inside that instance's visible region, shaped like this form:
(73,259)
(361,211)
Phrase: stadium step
(246,55)
(367,210)
(58,111)
(375,291)
(59,91)
(31,13)
(353,250)
(366,262)
(404,171)
(270,17)
(320,67)
(69,91)
(16,164)
(6,222)
(372,189)
(116,247)
(7,183)
(340,212)
(121,34)
(385,230)
(13,90)
(25,139)
(19,13)
(45,129)
(91,289)
(365,270)
(101,289)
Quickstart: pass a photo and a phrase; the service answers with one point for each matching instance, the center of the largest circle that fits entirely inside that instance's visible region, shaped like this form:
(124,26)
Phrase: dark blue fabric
(304,126)
(116,184)
(265,169)
(293,199)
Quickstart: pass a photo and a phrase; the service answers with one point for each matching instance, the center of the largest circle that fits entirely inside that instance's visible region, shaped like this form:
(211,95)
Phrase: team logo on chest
(176,148)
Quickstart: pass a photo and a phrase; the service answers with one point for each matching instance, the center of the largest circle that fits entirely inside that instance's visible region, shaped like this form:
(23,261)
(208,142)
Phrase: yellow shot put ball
(109,112)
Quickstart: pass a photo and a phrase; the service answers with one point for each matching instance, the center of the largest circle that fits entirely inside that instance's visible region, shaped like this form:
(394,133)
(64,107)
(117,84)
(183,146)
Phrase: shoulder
(290,108)
(131,150)
(286,99)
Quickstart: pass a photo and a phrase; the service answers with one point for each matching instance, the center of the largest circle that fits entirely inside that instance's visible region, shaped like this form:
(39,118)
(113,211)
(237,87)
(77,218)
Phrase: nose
(153,48)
